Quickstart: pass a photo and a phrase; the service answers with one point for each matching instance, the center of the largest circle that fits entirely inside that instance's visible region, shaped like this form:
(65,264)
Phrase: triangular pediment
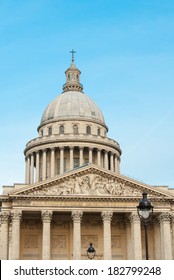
(90,181)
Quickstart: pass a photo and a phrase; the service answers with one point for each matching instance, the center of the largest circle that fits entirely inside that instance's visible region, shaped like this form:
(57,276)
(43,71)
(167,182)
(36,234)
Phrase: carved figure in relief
(90,185)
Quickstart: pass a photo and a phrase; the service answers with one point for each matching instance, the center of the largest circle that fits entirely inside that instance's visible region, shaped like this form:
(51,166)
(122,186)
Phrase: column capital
(107,216)
(16,215)
(172,217)
(134,217)
(46,216)
(165,217)
(4,217)
(77,216)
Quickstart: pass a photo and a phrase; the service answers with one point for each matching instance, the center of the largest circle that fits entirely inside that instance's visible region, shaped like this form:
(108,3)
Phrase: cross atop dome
(72,52)
(72,77)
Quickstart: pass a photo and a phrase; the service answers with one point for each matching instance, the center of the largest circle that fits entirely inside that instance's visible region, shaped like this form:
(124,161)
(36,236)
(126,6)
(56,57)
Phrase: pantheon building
(74,193)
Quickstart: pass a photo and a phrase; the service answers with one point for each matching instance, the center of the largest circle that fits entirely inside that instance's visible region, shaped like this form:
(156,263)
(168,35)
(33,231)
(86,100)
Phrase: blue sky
(125,51)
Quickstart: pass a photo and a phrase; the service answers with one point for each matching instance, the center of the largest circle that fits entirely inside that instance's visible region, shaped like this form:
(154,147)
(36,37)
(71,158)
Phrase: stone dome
(72,105)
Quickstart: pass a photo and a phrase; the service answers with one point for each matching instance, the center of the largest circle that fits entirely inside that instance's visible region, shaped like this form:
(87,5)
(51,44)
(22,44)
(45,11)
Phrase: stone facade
(74,193)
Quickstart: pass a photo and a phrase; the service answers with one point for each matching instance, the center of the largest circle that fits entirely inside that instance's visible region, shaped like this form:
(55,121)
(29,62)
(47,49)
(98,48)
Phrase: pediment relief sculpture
(91,184)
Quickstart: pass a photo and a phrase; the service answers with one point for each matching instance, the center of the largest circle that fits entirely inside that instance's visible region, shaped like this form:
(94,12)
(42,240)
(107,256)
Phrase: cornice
(56,141)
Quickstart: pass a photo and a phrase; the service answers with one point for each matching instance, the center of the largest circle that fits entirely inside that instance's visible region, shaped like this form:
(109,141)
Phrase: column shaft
(157,239)
(15,247)
(166,236)
(106,160)
(111,162)
(81,156)
(52,162)
(71,161)
(90,155)
(28,170)
(98,157)
(37,166)
(32,169)
(107,216)
(77,216)
(136,236)
(61,160)
(44,164)
(46,235)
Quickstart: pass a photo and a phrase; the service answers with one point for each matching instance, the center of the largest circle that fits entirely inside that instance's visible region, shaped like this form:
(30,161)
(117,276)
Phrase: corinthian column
(4,219)
(46,219)
(136,236)
(15,246)
(166,236)
(107,217)
(77,216)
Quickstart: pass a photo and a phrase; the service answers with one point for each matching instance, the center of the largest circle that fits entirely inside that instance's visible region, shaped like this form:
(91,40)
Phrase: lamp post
(91,252)
(145,212)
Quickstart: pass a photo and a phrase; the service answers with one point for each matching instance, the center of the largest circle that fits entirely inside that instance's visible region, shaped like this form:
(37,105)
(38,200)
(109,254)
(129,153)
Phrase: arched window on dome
(88,130)
(98,131)
(75,129)
(68,77)
(61,129)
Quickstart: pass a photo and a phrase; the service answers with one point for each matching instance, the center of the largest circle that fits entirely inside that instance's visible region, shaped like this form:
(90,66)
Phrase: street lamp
(145,212)
(91,252)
